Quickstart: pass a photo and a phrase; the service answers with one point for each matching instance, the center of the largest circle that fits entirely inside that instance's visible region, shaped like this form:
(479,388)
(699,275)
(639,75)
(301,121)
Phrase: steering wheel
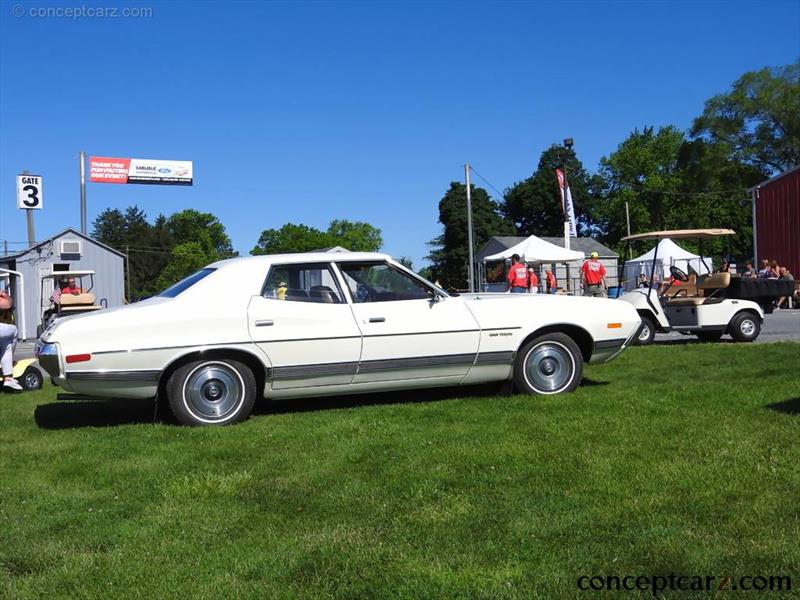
(364,293)
(678,274)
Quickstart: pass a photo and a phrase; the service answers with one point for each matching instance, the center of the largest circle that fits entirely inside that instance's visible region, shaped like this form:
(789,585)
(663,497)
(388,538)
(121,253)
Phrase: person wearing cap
(593,277)
(517,276)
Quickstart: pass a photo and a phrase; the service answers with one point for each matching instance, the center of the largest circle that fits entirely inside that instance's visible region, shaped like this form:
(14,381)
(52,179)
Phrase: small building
(776,220)
(69,250)
(567,274)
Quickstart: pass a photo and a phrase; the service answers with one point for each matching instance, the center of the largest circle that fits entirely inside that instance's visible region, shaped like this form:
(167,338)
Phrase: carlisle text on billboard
(140,170)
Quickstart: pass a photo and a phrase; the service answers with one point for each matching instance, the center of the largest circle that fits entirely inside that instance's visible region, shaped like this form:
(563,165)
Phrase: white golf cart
(65,304)
(699,305)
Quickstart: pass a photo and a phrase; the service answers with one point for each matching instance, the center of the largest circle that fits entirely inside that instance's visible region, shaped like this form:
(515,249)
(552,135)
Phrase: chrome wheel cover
(213,392)
(747,327)
(644,333)
(31,380)
(549,367)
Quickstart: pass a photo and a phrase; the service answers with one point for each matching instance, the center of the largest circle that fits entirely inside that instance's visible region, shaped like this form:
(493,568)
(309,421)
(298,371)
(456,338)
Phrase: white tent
(669,254)
(534,249)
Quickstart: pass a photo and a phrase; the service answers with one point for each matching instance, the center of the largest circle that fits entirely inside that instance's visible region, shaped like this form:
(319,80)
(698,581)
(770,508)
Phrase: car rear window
(186,283)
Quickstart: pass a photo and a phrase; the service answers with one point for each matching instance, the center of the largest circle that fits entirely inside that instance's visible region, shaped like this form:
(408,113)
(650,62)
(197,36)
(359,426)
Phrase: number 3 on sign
(29,191)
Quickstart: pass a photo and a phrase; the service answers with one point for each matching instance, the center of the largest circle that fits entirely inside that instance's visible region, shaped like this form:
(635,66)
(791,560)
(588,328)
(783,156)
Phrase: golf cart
(67,303)
(703,305)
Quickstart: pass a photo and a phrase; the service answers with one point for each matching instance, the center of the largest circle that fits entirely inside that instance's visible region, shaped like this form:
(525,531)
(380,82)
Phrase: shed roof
(58,235)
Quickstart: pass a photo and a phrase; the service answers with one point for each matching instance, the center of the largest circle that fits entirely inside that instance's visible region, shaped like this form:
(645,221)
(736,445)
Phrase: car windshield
(186,283)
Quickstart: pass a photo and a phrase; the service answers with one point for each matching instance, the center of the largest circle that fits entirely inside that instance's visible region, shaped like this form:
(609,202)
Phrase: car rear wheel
(549,364)
(647,331)
(212,392)
(744,327)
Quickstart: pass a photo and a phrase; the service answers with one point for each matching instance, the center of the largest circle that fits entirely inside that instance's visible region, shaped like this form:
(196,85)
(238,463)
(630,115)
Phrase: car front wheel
(647,332)
(744,327)
(549,364)
(212,392)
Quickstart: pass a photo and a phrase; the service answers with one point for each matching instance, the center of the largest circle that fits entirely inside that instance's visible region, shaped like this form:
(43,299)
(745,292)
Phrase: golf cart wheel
(212,392)
(744,327)
(549,364)
(709,336)
(647,332)
(31,379)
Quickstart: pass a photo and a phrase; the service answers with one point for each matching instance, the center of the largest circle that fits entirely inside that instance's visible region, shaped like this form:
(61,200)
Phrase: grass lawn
(672,459)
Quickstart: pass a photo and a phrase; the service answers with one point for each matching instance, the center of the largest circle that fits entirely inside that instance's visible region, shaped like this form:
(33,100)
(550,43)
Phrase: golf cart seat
(85,299)
(710,284)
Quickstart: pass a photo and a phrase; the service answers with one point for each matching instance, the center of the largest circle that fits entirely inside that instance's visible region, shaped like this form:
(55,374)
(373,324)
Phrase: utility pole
(83,192)
(469,230)
(128,269)
(29,217)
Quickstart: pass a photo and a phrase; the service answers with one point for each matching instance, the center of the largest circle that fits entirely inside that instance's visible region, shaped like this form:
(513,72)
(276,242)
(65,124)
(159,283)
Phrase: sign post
(29,198)
(83,192)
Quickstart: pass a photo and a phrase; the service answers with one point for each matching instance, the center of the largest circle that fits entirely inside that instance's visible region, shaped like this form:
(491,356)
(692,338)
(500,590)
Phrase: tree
(534,205)
(291,238)
(204,228)
(643,171)
(450,254)
(758,120)
(185,259)
(356,236)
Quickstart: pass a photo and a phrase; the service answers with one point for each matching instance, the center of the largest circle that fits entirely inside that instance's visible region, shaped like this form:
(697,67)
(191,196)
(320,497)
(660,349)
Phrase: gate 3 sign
(140,170)
(29,192)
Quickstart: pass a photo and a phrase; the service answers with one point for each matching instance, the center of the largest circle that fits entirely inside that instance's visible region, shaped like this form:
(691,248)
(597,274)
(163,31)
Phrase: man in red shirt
(593,277)
(551,283)
(517,276)
(533,281)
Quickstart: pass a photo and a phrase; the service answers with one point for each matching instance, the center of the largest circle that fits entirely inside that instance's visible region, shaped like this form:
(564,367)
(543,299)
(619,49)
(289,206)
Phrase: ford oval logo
(164,170)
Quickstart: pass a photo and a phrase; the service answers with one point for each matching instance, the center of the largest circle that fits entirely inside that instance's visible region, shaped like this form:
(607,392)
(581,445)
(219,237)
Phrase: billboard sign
(140,170)
(29,192)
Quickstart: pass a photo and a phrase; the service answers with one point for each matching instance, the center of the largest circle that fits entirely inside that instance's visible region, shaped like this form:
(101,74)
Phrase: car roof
(679,234)
(302,257)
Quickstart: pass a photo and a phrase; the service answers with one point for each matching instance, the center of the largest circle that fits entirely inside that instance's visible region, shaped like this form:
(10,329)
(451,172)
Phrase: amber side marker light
(614,325)
(73,358)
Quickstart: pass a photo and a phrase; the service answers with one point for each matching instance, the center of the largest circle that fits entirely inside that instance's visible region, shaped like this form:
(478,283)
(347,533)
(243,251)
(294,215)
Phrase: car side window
(381,282)
(302,283)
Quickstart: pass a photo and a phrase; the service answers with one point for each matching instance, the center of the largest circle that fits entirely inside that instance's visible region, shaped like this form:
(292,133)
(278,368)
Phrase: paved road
(782,325)
(779,326)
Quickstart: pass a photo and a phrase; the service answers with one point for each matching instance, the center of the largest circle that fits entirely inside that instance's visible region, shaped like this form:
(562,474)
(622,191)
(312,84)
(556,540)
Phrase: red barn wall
(777,221)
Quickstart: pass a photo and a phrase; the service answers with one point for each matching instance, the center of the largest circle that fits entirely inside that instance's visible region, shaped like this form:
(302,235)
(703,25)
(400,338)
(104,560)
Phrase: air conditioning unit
(71,247)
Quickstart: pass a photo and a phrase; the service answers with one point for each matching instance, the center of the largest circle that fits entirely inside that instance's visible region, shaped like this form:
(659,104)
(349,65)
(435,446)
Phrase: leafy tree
(291,238)
(534,205)
(204,228)
(644,172)
(185,259)
(758,120)
(450,253)
(109,228)
(356,236)
(406,262)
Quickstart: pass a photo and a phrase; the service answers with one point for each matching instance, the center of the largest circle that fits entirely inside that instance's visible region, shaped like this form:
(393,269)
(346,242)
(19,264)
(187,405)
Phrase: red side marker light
(73,358)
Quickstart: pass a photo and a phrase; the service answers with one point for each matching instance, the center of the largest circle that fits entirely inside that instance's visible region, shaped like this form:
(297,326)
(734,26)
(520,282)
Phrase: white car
(286,326)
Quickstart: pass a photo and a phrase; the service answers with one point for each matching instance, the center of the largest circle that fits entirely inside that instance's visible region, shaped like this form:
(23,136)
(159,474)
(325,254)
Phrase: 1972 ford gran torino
(286,326)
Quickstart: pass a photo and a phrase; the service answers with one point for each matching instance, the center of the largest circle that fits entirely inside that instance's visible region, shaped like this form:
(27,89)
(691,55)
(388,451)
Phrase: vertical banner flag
(566,204)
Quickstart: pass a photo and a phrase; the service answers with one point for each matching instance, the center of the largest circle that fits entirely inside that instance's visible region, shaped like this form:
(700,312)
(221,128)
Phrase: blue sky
(307,112)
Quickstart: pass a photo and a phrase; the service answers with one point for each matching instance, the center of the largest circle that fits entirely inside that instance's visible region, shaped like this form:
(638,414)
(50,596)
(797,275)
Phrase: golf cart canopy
(680,234)
(60,274)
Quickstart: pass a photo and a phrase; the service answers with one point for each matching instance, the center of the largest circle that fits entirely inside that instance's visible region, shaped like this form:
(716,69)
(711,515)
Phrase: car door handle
(265,323)
(377,319)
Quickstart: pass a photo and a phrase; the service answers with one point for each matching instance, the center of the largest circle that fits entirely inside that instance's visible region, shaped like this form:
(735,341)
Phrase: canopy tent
(669,254)
(534,249)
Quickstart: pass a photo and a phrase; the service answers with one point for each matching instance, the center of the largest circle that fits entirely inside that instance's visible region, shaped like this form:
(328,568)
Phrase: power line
(487,182)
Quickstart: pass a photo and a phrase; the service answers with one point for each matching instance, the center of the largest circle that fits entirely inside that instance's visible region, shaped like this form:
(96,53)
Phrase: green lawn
(672,459)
